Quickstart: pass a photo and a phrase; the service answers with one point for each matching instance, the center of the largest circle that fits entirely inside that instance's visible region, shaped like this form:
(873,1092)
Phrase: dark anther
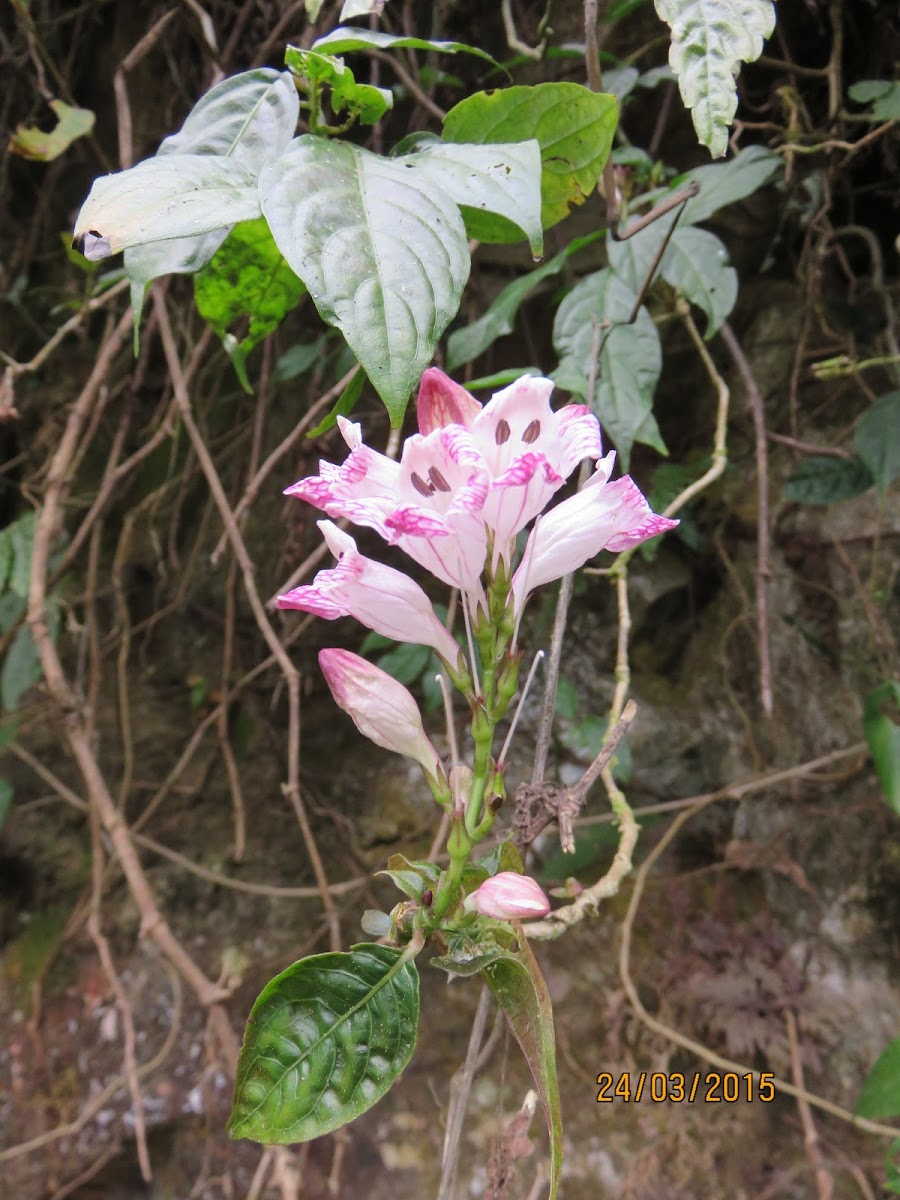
(532,433)
(427,897)
(438,480)
(501,433)
(420,485)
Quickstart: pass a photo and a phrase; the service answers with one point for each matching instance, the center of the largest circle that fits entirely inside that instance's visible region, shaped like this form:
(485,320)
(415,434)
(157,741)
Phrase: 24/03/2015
(711,1088)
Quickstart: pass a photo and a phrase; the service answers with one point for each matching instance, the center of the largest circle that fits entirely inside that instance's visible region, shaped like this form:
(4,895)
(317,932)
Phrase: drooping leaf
(882,94)
(174,196)
(880,1095)
(710,38)
(877,440)
(250,117)
(629,364)
(725,183)
(363,100)
(518,987)
(465,344)
(325,1041)
(382,251)
(247,279)
(881,725)
(573,126)
(71,123)
(503,180)
(347,38)
(826,480)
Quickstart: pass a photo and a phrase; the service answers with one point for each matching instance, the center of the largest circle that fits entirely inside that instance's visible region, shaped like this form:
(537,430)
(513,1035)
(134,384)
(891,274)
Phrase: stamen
(420,485)
(501,433)
(518,713)
(438,480)
(532,433)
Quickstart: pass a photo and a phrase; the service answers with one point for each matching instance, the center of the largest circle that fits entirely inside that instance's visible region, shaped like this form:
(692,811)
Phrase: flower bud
(508,896)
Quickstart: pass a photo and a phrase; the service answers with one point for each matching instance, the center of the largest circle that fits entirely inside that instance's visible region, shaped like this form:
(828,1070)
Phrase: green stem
(459,846)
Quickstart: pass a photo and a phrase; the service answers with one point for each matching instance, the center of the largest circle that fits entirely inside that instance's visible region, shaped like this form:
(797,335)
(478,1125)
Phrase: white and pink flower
(508,896)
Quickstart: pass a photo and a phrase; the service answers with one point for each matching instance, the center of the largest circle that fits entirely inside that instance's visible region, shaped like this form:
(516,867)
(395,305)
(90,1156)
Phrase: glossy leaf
(573,126)
(710,39)
(247,279)
(881,725)
(324,1042)
(880,1095)
(347,38)
(498,319)
(382,251)
(826,480)
(877,440)
(629,364)
(518,987)
(35,144)
(249,117)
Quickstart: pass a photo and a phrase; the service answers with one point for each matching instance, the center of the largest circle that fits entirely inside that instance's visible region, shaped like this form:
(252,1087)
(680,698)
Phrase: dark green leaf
(880,1095)
(519,988)
(406,662)
(22,666)
(881,725)
(877,440)
(344,405)
(21,541)
(324,1042)
(343,40)
(504,856)
(882,94)
(630,359)
(468,959)
(827,480)
(566,700)
(410,876)
(298,360)
(500,379)
(6,795)
(573,126)
(892,1168)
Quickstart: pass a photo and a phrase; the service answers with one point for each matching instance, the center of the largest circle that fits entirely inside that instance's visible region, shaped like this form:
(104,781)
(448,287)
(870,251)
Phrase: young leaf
(343,40)
(465,344)
(518,987)
(825,480)
(247,277)
(363,100)
(710,38)
(174,196)
(881,725)
(629,364)
(880,1095)
(71,123)
(382,251)
(877,440)
(326,1039)
(573,126)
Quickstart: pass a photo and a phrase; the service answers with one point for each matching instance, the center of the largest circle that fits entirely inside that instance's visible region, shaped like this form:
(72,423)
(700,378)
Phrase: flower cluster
(467,484)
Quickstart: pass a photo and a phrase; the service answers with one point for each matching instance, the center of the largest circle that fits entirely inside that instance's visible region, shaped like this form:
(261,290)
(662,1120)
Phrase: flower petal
(508,896)
(442,401)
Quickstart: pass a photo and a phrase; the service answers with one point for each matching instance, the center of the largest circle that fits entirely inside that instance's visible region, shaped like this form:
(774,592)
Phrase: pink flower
(508,896)
(602,516)
(382,709)
(380,597)
(472,478)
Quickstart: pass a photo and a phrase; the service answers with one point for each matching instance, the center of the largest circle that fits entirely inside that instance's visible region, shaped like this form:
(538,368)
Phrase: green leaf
(630,360)
(250,117)
(500,379)
(504,856)
(247,278)
(881,725)
(297,360)
(573,126)
(175,196)
(877,440)
(71,123)
(406,662)
(880,1095)
(325,1041)
(21,541)
(498,320)
(519,988)
(882,94)
(363,100)
(821,480)
(710,38)
(6,795)
(892,1168)
(467,957)
(411,877)
(22,667)
(500,179)
(725,183)
(343,406)
(347,38)
(382,251)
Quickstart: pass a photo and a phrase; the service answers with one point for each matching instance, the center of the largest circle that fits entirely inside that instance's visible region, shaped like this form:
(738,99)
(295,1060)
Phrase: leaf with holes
(710,38)
(326,1039)
(597,310)
(35,144)
(518,987)
(573,126)
(381,249)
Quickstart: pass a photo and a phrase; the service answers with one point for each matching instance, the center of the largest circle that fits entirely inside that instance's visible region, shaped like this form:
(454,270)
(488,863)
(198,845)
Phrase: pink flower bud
(441,401)
(382,709)
(508,897)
